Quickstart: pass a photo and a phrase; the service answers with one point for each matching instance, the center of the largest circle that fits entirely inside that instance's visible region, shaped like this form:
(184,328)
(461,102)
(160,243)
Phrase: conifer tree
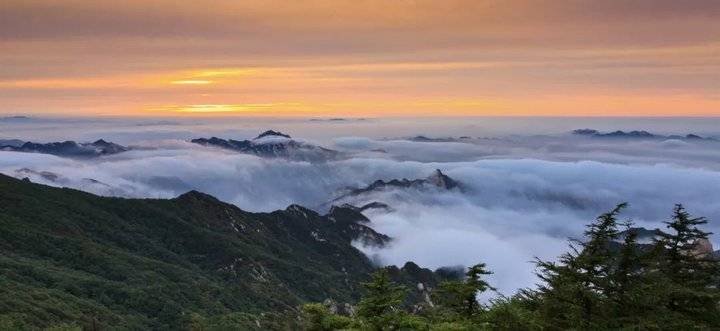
(630,292)
(574,288)
(318,317)
(692,275)
(461,296)
(380,306)
(608,281)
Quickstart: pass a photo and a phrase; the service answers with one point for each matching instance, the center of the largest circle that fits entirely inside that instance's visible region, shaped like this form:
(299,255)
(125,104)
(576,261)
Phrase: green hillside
(73,257)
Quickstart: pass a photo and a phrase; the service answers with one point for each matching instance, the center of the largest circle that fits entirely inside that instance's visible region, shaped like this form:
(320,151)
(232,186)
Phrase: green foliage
(64,327)
(461,296)
(574,288)
(608,281)
(380,306)
(691,277)
(239,321)
(317,317)
(75,261)
(515,313)
(453,326)
(10,322)
(72,257)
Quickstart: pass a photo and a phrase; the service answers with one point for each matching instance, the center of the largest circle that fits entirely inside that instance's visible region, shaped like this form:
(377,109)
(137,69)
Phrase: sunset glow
(192,82)
(370,58)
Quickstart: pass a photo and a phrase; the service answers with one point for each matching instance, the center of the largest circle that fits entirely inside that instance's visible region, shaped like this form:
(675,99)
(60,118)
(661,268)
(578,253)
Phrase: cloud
(354,143)
(457,19)
(523,194)
(516,210)
(360,57)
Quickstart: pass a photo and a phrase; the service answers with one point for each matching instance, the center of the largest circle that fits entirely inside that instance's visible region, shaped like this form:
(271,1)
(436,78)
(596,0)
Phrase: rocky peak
(300,210)
(270,133)
(441,180)
(703,247)
(437,179)
(285,147)
(106,147)
(347,214)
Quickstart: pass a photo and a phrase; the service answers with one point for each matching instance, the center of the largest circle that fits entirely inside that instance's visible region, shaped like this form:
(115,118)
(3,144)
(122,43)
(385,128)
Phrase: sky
(360,58)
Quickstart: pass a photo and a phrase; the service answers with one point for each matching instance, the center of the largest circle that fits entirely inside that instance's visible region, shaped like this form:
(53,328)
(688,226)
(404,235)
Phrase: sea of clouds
(526,188)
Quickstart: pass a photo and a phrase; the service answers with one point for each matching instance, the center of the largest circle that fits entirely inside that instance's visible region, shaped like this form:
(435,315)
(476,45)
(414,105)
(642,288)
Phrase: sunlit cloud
(219,72)
(191,82)
(229,108)
(371,57)
(69,83)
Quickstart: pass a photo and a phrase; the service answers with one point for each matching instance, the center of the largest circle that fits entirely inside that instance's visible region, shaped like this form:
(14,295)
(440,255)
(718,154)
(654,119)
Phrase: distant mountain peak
(66,148)
(636,134)
(437,179)
(441,180)
(286,148)
(270,133)
(585,132)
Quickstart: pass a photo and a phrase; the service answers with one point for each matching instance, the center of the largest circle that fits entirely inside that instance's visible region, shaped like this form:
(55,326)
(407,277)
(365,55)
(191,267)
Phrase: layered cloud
(360,57)
(522,195)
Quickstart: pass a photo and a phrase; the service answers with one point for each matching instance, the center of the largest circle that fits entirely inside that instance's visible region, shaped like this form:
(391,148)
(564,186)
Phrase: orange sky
(360,58)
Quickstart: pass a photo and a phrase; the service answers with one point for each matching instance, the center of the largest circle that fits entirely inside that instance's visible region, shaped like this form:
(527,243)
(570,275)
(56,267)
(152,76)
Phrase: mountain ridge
(66,148)
(146,263)
(437,180)
(637,134)
(273,144)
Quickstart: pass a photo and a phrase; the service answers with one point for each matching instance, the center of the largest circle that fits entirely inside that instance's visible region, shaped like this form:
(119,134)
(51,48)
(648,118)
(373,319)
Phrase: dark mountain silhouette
(637,134)
(436,180)
(66,148)
(273,144)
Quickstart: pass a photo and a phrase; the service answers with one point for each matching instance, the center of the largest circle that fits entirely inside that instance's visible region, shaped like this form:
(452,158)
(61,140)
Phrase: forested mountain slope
(70,256)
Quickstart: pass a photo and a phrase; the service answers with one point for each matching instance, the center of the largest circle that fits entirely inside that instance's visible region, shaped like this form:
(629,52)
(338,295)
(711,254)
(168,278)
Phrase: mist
(526,188)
